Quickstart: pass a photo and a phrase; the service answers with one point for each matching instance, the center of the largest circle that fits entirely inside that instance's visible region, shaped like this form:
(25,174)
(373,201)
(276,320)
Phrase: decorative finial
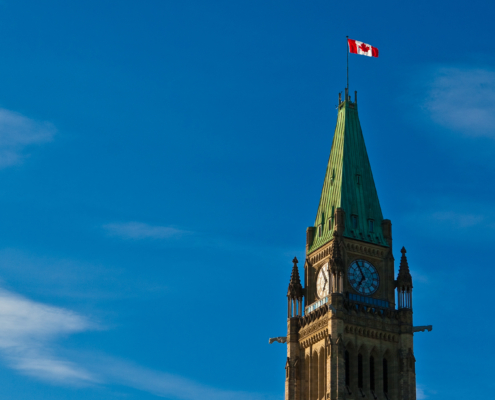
(403,250)
(295,261)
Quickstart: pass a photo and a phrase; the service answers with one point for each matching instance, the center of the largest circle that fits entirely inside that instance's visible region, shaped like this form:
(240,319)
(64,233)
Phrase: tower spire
(348,185)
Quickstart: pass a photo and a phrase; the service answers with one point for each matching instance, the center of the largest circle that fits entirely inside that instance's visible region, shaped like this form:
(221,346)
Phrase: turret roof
(404,273)
(295,288)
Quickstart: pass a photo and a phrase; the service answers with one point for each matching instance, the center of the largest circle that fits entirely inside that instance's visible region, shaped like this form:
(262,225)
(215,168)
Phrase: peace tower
(353,340)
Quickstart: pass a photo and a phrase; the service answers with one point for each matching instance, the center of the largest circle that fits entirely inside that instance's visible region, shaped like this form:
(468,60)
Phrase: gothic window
(385,376)
(354,221)
(306,375)
(321,375)
(371,225)
(360,371)
(314,376)
(372,373)
(347,370)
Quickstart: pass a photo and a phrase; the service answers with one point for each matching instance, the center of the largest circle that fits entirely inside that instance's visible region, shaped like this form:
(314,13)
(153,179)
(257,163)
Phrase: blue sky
(160,162)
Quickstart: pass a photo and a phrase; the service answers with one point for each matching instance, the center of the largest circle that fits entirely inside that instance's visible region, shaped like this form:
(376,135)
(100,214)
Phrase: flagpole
(347,49)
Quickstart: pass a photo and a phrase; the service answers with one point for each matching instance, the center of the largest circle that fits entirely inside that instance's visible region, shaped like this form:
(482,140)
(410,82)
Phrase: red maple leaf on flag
(364,47)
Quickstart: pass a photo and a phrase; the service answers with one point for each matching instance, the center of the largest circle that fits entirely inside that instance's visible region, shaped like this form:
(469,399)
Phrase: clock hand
(360,270)
(362,274)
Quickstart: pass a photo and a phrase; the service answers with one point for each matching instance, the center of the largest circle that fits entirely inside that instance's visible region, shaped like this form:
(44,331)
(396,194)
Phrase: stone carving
(422,328)
(280,339)
(389,337)
(322,323)
(314,339)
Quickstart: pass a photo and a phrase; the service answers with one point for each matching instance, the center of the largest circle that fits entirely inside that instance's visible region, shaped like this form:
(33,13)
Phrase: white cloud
(458,219)
(168,385)
(451,224)
(450,217)
(463,99)
(17,132)
(420,393)
(27,331)
(139,230)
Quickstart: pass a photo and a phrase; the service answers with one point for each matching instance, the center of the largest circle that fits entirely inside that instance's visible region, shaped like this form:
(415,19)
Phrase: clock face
(323,282)
(363,277)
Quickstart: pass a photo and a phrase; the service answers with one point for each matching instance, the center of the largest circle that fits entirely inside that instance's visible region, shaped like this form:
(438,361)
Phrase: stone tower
(351,340)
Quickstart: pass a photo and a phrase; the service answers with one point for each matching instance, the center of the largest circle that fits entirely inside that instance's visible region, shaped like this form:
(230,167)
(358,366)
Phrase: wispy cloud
(450,219)
(462,99)
(139,230)
(68,278)
(197,238)
(168,385)
(17,132)
(451,223)
(423,393)
(458,219)
(420,393)
(29,335)
(27,332)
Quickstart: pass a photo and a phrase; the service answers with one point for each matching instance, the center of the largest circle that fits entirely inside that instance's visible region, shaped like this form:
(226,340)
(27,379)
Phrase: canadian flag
(362,48)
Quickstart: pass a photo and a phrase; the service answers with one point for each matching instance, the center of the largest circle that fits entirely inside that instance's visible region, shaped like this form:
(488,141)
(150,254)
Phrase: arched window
(372,373)
(360,371)
(347,370)
(306,376)
(321,376)
(385,376)
(314,376)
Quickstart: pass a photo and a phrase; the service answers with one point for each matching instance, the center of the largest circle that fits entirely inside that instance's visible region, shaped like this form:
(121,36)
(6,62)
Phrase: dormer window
(320,230)
(354,221)
(371,225)
(358,179)
(330,224)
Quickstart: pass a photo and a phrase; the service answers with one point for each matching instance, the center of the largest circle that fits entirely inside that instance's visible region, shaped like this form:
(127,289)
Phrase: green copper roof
(349,184)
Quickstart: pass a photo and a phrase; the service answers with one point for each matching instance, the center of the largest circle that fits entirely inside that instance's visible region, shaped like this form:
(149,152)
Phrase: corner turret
(295,292)
(404,283)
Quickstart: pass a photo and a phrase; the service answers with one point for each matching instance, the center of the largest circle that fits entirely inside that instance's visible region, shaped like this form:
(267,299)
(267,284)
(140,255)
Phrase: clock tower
(348,337)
